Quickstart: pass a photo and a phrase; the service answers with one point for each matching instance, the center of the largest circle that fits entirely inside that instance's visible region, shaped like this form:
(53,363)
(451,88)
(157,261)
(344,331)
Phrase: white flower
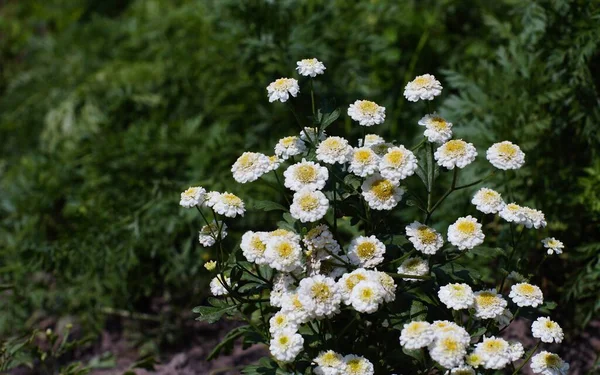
(547,363)
(282,88)
(465,233)
(455,153)
(513,213)
(474,360)
(216,286)
(370,140)
(274,163)
(283,254)
(366,296)
(441,328)
(437,130)
(488,201)
(553,245)
(334,150)
(356,365)
(329,363)
(494,352)
(319,238)
(294,309)
(310,67)
(516,351)
(547,330)
(533,218)
(461,370)
(282,285)
(367,113)
(193,196)
(319,294)
(424,87)
(283,233)
(366,252)
(416,335)
(381,193)
(289,146)
(425,239)
(281,321)
(229,205)
(448,350)
(309,206)
(209,234)
(253,246)
(489,304)
(456,296)
(250,166)
(524,294)
(305,175)
(398,163)
(387,284)
(312,134)
(349,280)
(414,267)
(506,155)
(286,345)
(363,162)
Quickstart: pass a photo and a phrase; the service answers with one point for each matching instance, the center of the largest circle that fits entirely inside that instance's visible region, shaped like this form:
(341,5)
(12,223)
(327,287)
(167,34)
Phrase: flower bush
(359,277)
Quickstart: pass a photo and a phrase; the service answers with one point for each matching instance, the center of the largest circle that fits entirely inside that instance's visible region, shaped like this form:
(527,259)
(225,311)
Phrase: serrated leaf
(211,314)
(327,119)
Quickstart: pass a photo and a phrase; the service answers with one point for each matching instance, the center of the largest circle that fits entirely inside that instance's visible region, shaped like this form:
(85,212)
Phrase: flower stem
(528,358)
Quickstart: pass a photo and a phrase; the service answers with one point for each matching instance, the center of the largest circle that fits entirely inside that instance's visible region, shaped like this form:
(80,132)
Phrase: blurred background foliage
(109,109)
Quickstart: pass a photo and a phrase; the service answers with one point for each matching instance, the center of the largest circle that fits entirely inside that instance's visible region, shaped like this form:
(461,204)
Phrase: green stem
(528,358)
(452,188)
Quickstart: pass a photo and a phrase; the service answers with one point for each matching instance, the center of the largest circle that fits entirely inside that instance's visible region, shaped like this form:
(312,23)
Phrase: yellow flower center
(507,150)
(284,340)
(279,319)
(549,324)
(363,156)
(415,327)
(421,81)
(257,244)
(383,189)
(368,107)
(366,294)
(190,193)
(321,291)
(486,299)
(466,227)
(309,61)
(306,173)
(459,290)
(332,144)
(308,202)
(426,234)
(296,303)
(395,157)
(439,123)
(288,141)
(354,365)
(365,250)
(473,360)
(285,249)
(455,147)
(449,344)
(247,160)
(552,360)
(232,200)
(329,358)
(353,280)
(489,196)
(281,84)
(493,345)
(553,243)
(526,289)
(280,233)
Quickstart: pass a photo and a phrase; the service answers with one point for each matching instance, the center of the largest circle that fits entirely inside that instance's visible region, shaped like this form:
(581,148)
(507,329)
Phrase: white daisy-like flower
(465,233)
(461,370)
(253,246)
(416,335)
(367,113)
(489,304)
(274,163)
(286,345)
(366,252)
(525,294)
(282,285)
(209,234)
(387,284)
(505,155)
(320,237)
(216,286)
(229,205)
(513,213)
(533,218)
(414,266)
(474,360)
(210,265)
(516,351)
(281,321)
(309,206)
(488,201)
(425,239)
(289,146)
(310,67)
(547,330)
(312,134)
(371,140)
(295,309)
(455,153)
(363,162)
(329,363)
(250,166)
(553,245)
(282,88)
(357,365)
(448,350)
(547,363)
(456,296)
(381,193)
(381,149)
(283,233)
(366,296)
(334,150)
(442,328)
(494,351)
(424,87)
(283,254)
(193,196)
(398,163)
(437,129)
(349,280)
(319,294)
(305,175)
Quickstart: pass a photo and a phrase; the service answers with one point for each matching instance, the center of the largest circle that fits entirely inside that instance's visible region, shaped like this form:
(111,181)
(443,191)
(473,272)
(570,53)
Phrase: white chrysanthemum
(414,267)
(216,286)
(305,175)
(525,294)
(494,351)
(516,351)
(416,335)
(437,129)
(371,140)
(513,213)
(506,155)
(474,360)
(282,88)
(356,365)
(193,196)
(309,206)
(547,363)
(250,166)
(387,284)
(553,245)
(366,296)
(367,113)
(461,370)
(547,330)
(381,193)
(329,363)
(364,161)
(366,252)
(253,246)
(286,345)
(295,309)
(319,238)
(425,239)
(312,134)
(282,285)
(455,153)
(465,233)
(289,146)
(281,321)
(533,218)
(283,233)
(210,265)
(310,67)
(209,234)
(319,294)
(274,163)
(334,150)
(442,328)
(448,350)
(283,254)
(424,87)
(398,163)
(488,201)
(349,280)
(229,205)
(456,296)
(489,304)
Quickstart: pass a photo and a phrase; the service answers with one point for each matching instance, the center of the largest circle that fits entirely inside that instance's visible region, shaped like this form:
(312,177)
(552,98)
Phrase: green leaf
(418,310)
(211,314)
(268,206)
(327,119)
(487,252)
(226,345)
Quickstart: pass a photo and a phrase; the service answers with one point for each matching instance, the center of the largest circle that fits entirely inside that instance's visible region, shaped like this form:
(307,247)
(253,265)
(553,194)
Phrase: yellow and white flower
(310,67)
(455,153)
(289,146)
(309,206)
(305,175)
(381,193)
(363,162)
(494,352)
(253,246)
(294,309)
(416,335)
(329,363)
(319,294)
(228,204)
(387,284)
(366,296)
(250,166)
(398,163)
(525,294)
(282,286)
(489,304)
(334,150)
(281,321)
(356,365)
(366,112)
(465,233)
(547,363)
(553,245)
(193,196)
(516,351)
(216,286)
(366,252)
(425,239)
(448,350)
(414,266)
(282,88)
(349,280)
(210,266)
(456,296)
(488,201)
(445,327)
(283,254)
(506,155)
(286,345)
(424,87)
(533,218)
(437,129)
(371,140)
(209,234)
(547,330)
(513,213)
